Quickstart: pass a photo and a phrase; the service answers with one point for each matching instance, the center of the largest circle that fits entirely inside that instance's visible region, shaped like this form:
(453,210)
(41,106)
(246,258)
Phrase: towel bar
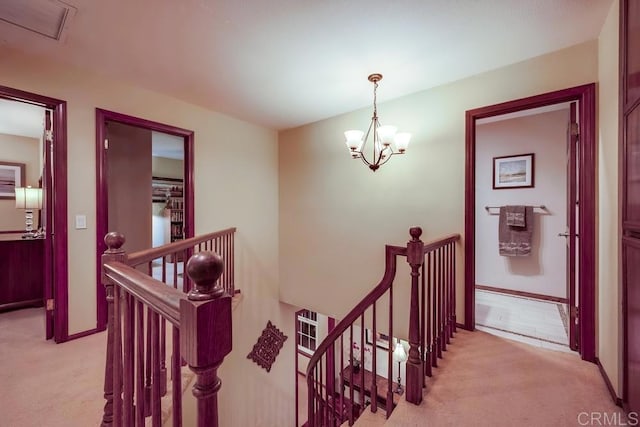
(543,207)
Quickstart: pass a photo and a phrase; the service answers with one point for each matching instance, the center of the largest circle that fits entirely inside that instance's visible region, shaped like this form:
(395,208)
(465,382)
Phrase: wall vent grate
(44,17)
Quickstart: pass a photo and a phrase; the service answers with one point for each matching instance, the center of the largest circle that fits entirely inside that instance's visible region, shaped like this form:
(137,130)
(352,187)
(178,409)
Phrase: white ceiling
(18,118)
(165,145)
(284,63)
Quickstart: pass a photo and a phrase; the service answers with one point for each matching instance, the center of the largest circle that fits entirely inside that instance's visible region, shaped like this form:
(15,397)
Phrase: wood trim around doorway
(60,248)
(102,116)
(585,95)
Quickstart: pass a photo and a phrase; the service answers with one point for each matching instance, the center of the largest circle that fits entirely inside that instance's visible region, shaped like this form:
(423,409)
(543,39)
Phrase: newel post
(414,365)
(114,252)
(205,332)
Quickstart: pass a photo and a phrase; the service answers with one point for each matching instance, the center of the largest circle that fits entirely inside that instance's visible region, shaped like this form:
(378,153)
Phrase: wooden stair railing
(164,262)
(139,307)
(432,322)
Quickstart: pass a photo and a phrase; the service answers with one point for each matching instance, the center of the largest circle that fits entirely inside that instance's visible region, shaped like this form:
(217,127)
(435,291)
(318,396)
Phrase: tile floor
(536,322)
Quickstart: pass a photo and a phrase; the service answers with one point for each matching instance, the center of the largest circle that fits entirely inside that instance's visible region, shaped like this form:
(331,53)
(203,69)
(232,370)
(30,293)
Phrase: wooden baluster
(362,366)
(453,286)
(351,420)
(147,385)
(429,340)
(414,367)
(232,260)
(374,362)
(423,328)
(176,378)
(114,253)
(156,408)
(163,357)
(450,292)
(164,269)
(140,408)
(434,307)
(342,407)
(323,400)
(447,300)
(389,406)
(129,353)
(117,358)
(443,301)
(331,371)
(438,302)
(206,315)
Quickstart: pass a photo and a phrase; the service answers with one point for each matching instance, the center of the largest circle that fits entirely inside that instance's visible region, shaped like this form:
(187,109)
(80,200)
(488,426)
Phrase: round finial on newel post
(205,268)
(114,242)
(415,233)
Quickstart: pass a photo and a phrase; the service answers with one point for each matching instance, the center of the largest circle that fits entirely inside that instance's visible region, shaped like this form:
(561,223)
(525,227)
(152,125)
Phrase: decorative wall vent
(44,17)
(266,350)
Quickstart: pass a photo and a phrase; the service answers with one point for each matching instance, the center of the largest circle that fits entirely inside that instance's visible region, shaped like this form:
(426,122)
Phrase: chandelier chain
(375,98)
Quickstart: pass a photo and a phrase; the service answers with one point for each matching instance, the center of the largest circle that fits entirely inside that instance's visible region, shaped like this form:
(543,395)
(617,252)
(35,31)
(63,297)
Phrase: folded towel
(515,241)
(516,216)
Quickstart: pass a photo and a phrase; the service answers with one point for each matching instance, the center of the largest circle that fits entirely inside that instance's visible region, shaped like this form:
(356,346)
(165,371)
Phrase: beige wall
(167,168)
(19,149)
(544,270)
(609,307)
(336,215)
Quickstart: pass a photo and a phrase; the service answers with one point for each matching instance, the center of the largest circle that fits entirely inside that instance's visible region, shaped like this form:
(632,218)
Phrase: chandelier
(386,142)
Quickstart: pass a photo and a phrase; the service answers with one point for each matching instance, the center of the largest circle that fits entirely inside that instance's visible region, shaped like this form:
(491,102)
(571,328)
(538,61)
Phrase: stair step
(370,419)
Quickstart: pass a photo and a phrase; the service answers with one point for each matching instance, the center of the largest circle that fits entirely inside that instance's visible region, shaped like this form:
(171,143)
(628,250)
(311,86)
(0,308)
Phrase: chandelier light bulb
(386,134)
(401,141)
(354,139)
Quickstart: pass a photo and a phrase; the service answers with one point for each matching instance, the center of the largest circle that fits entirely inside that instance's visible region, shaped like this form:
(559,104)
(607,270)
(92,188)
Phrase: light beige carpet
(48,384)
(485,380)
(43,384)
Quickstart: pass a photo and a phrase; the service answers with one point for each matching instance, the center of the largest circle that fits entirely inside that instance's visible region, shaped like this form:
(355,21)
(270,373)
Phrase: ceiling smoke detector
(44,17)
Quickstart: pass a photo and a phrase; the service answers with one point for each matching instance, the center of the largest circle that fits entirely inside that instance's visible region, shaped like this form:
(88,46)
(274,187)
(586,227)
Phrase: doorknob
(563,234)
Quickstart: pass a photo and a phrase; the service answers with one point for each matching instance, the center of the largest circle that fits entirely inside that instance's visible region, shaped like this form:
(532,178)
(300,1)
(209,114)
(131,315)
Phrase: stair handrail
(147,255)
(415,251)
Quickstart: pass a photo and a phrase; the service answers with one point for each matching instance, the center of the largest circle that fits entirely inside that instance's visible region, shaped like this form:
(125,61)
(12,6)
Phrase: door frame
(585,95)
(59,251)
(102,202)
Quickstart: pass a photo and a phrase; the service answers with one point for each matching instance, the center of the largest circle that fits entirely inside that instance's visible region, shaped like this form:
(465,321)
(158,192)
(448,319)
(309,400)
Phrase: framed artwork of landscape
(513,171)
(12,175)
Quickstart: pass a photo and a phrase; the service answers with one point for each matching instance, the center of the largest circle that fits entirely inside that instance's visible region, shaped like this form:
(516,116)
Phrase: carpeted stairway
(484,380)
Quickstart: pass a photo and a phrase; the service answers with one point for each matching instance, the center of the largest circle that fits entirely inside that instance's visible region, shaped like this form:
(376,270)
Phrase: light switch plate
(81,222)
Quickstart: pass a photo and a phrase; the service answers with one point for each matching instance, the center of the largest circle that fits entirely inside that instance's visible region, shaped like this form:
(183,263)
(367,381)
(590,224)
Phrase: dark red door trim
(585,95)
(59,197)
(102,116)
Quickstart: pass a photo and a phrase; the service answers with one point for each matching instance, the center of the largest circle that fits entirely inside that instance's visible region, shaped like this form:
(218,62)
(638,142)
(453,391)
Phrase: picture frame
(12,175)
(381,340)
(515,171)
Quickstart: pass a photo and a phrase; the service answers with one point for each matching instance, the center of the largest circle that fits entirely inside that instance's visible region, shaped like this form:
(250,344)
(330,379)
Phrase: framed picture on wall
(515,171)
(12,175)
(381,340)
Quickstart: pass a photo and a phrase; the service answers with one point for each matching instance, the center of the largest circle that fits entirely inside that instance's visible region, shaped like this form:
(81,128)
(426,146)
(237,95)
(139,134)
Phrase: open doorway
(34,136)
(557,221)
(521,160)
(144,186)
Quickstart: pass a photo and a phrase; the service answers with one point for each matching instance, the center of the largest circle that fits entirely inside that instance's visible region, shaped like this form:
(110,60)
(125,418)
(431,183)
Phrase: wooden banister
(148,255)
(431,325)
(139,307)
(164,299)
